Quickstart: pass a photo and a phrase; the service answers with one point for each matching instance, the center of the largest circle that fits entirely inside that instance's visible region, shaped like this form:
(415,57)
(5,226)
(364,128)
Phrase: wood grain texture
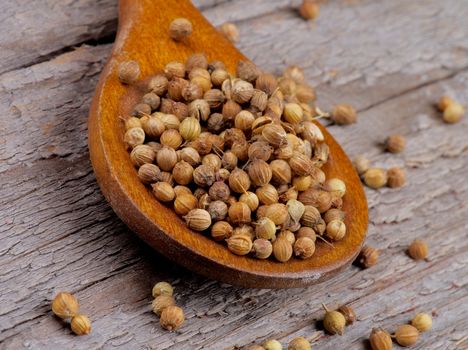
(158,224)
(58,233)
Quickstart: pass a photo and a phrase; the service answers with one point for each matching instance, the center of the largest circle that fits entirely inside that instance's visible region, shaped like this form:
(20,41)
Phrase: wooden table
(390,59)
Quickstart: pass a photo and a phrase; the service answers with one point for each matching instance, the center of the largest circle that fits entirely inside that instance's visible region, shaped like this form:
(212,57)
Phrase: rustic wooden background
(390,59)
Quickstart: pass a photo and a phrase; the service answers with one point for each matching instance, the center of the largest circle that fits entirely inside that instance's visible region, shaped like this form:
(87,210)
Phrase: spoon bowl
(143,36)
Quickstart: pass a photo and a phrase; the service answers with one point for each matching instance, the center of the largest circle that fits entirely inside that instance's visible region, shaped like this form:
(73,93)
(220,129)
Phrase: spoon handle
(144,27)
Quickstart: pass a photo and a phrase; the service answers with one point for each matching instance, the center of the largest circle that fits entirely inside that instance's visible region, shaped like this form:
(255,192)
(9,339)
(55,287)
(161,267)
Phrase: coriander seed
(281,172)
(142,154)
(204,175)
(375,178)
(335,185)
(380,340)
(422,322)
(182,173)
(294,73)
(132,122)
(306,232)
(166,158)
(299,343)
(334,214)
(406,335)
(453,113)
(265,228)
(180,190)
(149,173)
(163,191)
(368,256)
(218,76)
(221,230)
(190,129)
(134,137)
(272,344)
(396,177)
(444,102)
(171,138)
(239,244)
(230,31)
(218,210)
(184,203)
(262,248)
(162,288)
(336,230)
(80,325)
(141,109)
(65,305)
(158,84)
(239,181)
(239,213)
(304,248)
(309,9)
(333,321)
(267,194)
(128,72)
(282,249)
(180,28)
(153,127)
(198,219)
(172,318)
(344,114)
(260,173)
(418,250)
(348,313)
(395,143)
(152,99)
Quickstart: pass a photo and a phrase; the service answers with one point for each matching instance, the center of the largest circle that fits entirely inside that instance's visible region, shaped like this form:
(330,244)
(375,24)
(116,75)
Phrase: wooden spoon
(143,36)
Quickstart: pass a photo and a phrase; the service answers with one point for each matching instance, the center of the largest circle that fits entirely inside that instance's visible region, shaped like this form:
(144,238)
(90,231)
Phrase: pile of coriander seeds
(238,157)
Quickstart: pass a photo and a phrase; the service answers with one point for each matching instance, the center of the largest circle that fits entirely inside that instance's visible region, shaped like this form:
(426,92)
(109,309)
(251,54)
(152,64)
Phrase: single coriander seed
(239,244)
(65,305)
(368,256)
(172,317)
(180,28)
(262,248)
(230,31)
(348,313)
(344,114)
(299,343)
(395,143)
(396,177)
(379,339)
(272,344)
(334,321)
(309,9)
(406,335)
(282,249)
(198,219)
(128,72)
(444,102)
(453,113)
(418,250)
(422,322)
(362,164)
(375,178)
(304,248)
(80,325)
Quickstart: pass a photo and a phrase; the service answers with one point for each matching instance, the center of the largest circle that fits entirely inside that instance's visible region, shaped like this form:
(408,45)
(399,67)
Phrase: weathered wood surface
(392,60)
